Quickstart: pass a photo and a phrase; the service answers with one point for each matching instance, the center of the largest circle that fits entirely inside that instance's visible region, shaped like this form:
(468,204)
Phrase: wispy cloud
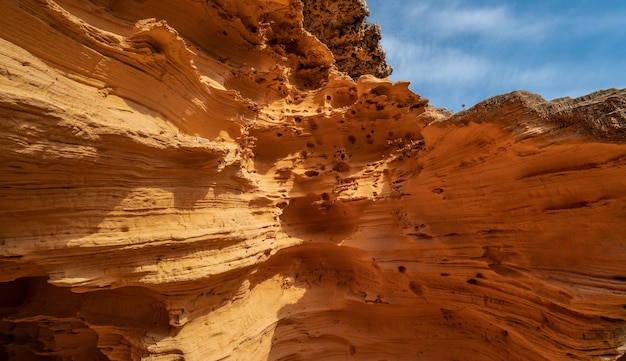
(426,63)
(450,75)
(459,52)
(450,18)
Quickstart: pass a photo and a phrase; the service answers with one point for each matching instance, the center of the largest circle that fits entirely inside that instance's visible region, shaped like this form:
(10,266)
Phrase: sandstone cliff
(205,180)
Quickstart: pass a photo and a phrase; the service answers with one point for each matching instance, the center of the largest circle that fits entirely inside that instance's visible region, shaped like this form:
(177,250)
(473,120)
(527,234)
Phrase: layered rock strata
(198,180)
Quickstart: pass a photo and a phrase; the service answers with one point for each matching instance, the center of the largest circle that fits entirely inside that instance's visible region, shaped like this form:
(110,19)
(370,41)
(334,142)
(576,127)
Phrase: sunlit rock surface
(204,180)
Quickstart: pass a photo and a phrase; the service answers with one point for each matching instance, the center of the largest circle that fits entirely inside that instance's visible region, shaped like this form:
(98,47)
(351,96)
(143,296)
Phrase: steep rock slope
(200,180)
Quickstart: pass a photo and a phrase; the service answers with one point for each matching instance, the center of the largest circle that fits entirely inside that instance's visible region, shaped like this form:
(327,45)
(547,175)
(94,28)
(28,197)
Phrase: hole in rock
(13,293)
(352,139)
(341,167)
(303,216)
(416,288)
(56,309)
(401,269)
(423,236)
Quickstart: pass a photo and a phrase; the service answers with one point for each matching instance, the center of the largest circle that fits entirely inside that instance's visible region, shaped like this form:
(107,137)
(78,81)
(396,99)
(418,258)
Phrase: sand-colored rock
(202,180)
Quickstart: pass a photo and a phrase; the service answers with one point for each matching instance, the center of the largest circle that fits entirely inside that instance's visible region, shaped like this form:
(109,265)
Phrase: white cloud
(449,75)
(531,77)
(433,64)
(456,18)
(460,52)
(600,28)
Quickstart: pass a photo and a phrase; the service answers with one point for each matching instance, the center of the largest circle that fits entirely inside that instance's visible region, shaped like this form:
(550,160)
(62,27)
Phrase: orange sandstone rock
(202,180)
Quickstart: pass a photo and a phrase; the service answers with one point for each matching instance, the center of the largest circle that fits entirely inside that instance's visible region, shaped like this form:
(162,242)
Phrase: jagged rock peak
(342,26)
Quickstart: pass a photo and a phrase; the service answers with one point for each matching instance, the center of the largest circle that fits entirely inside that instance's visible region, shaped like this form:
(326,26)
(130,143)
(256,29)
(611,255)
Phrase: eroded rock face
(342,26)
(200,181)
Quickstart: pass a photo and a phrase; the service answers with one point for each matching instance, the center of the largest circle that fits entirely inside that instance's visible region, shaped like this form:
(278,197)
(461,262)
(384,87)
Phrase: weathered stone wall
(205,180)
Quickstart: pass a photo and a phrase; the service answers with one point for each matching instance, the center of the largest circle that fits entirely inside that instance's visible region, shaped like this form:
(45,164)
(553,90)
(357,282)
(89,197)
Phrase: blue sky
(461,52)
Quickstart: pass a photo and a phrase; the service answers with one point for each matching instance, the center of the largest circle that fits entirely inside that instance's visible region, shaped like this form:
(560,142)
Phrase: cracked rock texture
(342,26)
(205,180)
